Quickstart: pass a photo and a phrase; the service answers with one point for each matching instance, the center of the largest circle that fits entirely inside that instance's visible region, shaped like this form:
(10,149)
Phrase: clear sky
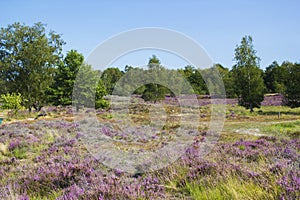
(216,25)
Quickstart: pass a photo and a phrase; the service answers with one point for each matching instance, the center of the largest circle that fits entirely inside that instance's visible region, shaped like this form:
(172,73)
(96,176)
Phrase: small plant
(19,153)
(11,101)
(101,103)
(242,147)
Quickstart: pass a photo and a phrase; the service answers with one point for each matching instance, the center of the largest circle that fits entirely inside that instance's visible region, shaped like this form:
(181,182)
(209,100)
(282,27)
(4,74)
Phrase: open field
(256,157)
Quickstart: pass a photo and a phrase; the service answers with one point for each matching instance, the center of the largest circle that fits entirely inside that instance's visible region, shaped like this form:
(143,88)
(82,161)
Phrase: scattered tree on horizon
(248,77)
(155,92)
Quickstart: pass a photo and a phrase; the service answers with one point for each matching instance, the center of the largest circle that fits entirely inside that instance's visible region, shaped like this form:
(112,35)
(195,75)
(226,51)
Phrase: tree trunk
(251,107)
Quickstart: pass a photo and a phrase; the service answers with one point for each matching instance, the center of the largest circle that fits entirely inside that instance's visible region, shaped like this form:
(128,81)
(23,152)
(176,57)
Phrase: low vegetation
(47,159)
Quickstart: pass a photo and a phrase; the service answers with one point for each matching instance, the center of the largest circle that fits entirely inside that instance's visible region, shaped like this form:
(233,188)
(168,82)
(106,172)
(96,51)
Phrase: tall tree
(292,85)
(153,62)
(28,58)
(248,77)
(153,91)
(74,69)
(60,93)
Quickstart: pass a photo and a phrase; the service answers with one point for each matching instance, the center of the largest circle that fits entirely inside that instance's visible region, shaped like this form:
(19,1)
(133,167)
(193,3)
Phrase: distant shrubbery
(45,76)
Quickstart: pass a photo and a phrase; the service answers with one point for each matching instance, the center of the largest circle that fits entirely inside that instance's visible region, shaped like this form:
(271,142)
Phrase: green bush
(101,103)
(11,101)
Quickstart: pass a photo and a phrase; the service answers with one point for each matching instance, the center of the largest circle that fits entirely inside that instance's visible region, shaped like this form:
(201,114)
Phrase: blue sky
(216,25)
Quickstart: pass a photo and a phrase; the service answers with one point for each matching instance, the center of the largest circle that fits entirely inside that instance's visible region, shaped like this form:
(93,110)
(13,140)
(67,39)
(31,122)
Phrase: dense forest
(34,72)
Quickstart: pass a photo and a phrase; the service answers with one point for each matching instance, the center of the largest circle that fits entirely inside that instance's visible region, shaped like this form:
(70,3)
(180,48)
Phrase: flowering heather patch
(270,100)
(273,100)
(263,162)
(60,167)
(290,184)
(13,145)
(47,159)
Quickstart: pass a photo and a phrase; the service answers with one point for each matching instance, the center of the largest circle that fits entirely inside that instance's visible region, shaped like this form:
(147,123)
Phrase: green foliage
(142,81)
(194,77)
(31,64)
(88,89)
(127,68)
(207,81)
(292,85)
(227,78)
(153,91)
(100,93)
(287,129)
(60,93)
(109,77)
(11,101)
(275,77)
(247,76)
(101,103)
(128,84)
(20,153)
(28,57)
(213,81)
(153,62)
(284,79)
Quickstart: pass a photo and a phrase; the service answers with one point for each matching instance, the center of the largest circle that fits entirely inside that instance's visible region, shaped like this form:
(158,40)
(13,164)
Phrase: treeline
(34,72)
(283,79)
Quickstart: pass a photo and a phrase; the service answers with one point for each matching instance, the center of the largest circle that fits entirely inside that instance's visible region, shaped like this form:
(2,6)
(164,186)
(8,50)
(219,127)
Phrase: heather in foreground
(46,160)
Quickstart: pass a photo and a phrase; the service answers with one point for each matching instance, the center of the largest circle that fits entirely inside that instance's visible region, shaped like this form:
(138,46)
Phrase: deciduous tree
(28,57)
(248,77)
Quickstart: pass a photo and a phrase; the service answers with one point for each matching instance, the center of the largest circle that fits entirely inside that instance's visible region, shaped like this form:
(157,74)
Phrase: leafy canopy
(248,77)
(28,57)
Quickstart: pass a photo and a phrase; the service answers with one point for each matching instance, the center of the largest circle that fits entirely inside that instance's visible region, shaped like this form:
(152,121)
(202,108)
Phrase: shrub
(101,103)
(11,101)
